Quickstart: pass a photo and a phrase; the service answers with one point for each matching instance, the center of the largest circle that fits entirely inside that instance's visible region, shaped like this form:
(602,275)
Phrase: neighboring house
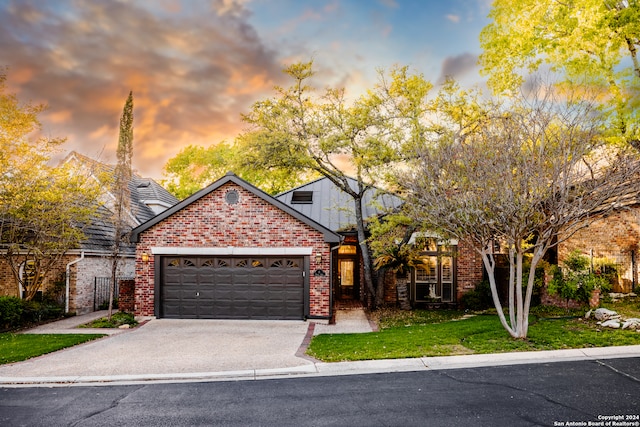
(84,269)
(233,251)
(450,268)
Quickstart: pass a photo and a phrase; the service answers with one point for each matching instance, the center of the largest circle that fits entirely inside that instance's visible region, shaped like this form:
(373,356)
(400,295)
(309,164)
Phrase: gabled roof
(332,207)
(329,236)
(143,193)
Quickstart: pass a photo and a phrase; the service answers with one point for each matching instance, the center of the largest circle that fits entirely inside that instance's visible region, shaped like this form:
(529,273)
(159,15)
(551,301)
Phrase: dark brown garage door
(232,287)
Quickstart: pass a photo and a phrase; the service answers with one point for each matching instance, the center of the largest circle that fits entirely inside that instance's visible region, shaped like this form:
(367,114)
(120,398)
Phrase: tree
(299,130)
(122,178)
(42,209)
(195,167)
(526,173)
(588,43)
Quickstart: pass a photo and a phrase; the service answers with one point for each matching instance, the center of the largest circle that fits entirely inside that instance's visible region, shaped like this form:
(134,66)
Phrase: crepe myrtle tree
(528,172)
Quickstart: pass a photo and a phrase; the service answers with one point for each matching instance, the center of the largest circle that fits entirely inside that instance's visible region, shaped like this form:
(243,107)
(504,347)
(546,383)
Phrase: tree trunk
(366,255)
(402,290)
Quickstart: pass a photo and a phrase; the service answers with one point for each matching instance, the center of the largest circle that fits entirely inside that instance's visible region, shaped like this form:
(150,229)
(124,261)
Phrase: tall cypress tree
(120,190)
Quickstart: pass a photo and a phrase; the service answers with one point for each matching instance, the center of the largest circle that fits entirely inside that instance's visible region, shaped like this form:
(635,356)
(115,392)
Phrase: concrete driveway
(167,346)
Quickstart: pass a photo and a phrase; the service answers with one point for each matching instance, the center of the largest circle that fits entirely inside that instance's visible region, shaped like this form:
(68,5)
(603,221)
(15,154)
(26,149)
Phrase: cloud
(192,72)
(457,66)
(453,18)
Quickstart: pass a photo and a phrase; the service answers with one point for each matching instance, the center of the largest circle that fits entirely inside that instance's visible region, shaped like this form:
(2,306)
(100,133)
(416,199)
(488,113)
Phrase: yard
(422,333)
(19,347)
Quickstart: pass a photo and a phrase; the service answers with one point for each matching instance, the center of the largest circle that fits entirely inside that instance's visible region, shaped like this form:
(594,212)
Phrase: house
(449,269)
(233,251)
(85,272)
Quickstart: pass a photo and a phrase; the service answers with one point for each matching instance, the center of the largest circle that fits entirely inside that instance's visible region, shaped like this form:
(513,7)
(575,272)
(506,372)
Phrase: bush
(479,298)
(577,282)
(40,311)
(16,313)
(117,319)
(10,312)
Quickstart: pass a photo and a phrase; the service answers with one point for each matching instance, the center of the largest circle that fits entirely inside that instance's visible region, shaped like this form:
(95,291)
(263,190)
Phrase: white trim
(231,250)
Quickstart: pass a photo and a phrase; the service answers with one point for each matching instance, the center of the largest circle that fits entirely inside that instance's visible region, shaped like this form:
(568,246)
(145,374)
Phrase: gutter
(68,280)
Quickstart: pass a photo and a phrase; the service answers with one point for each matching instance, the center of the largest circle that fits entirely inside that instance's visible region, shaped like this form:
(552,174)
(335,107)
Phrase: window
(28,275)
(302,197)
(347,250)
(434,279)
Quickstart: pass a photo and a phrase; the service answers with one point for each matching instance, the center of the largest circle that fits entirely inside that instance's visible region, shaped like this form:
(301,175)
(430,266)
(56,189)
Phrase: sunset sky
(195,65)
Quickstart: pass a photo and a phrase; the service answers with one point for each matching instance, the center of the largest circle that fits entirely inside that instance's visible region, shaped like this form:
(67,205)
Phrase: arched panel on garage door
(232,287)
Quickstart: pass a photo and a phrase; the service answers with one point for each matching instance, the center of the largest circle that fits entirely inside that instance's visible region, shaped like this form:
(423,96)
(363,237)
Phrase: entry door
(347,277)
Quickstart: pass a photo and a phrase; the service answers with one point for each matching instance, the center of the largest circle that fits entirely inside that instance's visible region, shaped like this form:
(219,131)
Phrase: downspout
(68,281)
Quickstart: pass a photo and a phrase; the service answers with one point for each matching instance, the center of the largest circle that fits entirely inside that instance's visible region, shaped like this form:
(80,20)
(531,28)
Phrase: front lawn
(19,347)
(441,333)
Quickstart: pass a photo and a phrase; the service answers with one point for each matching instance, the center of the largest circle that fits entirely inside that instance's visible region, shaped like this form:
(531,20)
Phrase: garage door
(232,287)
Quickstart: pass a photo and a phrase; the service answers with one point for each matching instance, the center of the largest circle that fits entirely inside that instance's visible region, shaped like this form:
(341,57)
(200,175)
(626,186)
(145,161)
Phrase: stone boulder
(633,324)
(605,314)
(611,323)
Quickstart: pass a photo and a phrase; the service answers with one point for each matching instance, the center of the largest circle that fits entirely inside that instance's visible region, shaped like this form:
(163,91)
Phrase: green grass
(441,333)
(117,319)
(19,347)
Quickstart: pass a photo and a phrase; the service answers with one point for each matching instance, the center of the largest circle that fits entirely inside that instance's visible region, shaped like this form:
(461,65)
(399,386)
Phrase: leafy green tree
(42,209)
(120,189)
(195,167)
(590,44)
(328,135)
(526,172)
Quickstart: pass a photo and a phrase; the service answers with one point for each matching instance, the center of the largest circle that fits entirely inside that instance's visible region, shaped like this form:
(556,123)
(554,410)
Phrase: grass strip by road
(19,347)
(447,333)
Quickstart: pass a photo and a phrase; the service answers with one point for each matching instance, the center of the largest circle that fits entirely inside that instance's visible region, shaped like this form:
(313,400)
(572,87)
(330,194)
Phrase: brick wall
(614,237)
(126,296)
(9,286)
(211,222)
(470,268)
(83,276)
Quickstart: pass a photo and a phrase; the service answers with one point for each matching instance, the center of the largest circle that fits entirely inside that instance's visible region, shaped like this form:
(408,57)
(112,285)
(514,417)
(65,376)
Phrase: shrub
(479,298)
(576,282)
(40,311)
(10,312)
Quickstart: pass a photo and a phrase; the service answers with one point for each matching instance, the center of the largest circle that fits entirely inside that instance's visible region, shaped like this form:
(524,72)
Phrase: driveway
(167,346)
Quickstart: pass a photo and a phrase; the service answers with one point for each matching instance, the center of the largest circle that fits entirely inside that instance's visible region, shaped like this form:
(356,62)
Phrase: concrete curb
(338,368)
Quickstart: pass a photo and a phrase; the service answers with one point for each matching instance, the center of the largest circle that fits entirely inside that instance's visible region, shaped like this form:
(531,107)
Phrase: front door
(348,273)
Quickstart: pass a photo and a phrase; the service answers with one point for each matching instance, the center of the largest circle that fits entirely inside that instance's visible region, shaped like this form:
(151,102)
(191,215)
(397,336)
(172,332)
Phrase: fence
(625,268)
(101,291)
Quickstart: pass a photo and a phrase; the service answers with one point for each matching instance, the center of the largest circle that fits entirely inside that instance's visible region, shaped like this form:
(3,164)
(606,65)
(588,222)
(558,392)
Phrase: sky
(195,66)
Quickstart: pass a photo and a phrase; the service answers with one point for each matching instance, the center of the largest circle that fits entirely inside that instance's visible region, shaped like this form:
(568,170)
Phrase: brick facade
(616,238)
(211,222)
(469,268)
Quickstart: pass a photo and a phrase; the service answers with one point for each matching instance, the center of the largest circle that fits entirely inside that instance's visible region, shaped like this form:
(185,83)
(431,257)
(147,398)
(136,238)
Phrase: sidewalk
(182,368)
(70,325)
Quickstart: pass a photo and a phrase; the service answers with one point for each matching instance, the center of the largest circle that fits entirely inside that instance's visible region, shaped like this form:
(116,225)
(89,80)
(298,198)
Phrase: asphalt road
(565,393)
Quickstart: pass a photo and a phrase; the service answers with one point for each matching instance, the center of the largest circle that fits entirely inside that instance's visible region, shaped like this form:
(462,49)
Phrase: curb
(323,369)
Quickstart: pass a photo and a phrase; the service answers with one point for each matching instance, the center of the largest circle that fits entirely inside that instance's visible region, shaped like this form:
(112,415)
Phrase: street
(555,394)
